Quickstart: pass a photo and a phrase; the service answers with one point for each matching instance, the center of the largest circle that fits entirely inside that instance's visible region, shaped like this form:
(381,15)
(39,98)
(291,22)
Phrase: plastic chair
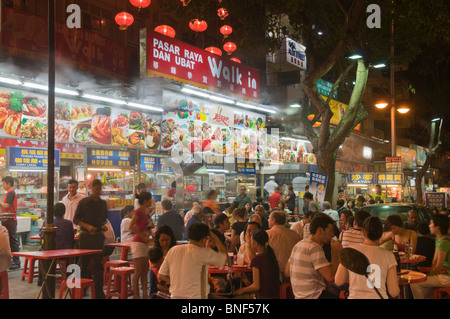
(29,269)
(113,264)
(4,288)
(121,276)
(439,293)
(77,293)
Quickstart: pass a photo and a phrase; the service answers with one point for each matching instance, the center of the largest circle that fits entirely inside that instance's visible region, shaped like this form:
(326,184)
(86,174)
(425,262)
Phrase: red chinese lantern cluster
(166,30)
(140,3)
(222,13)
(124,20)
(214,50)
(226,30)
(229,47)
(197,25)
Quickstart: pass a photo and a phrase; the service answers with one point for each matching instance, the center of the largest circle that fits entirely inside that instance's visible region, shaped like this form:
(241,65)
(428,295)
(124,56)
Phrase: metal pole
(50,230)
(393,106)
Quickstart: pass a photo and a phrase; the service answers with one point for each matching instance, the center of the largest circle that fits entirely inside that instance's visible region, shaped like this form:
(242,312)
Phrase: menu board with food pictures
(24,115)
(295,151)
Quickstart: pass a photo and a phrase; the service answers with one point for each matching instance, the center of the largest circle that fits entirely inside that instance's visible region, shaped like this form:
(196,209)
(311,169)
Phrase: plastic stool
(29,269)
(113,264)
(122,283)
(437,292)
(77,293)
(4,289)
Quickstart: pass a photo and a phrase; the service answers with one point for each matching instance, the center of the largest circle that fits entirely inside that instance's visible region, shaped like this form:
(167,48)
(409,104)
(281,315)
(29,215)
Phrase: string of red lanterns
(124,20)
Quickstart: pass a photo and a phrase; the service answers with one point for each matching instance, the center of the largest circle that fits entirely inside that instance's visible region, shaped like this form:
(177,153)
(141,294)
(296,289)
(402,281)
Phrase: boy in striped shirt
(354,235)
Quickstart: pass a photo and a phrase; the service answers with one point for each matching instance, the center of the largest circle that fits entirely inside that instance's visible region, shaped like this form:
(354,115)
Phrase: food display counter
(156,176)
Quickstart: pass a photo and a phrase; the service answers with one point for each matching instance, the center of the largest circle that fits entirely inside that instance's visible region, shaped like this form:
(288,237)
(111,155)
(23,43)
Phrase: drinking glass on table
(408,250)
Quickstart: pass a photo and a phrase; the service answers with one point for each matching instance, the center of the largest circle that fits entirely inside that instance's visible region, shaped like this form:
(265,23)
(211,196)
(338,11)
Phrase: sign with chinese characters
(214,162)
(245,168)
(433,199)
(394,164)
(390,178)
(149,163)
(318,186)
(30,158)
(362,178)
(325,87)
(295,53)
(110,158)
(408,155)
(165,57)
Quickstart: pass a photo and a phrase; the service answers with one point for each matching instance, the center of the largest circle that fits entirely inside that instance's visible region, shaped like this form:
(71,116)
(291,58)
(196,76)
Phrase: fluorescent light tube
(10,81)
(195,92)
(147,107)
(104,99)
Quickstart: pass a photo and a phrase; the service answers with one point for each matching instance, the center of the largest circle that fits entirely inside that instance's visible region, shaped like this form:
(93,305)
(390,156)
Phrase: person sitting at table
(217,282)
(172,219)
(125,215)
(165,239)
(140,244)
(359,287)
(185,266)
(425,244)
(252,218)
(197,217)
(157,288)
(246,247)
(439,275)
(354,235)
(400,236)
(265,270)
(189,214)
(210,204)
(65,231)
(343,220)
(222,224)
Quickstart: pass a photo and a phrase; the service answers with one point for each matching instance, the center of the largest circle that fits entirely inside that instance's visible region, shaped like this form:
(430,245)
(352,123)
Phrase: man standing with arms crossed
(9,205)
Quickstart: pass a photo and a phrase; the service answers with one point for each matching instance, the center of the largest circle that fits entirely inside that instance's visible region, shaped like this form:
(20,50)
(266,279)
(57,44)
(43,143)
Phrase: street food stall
(361,184)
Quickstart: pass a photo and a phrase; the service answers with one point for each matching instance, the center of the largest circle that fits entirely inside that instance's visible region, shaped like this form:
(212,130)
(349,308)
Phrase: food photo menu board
(24,115)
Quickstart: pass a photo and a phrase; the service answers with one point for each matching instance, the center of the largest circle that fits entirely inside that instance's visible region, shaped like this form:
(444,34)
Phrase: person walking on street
(71,200)
(9,205)
(271,185)
(91,215)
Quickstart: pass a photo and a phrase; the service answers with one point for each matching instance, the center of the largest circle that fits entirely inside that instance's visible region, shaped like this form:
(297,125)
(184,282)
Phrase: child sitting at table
(158,289)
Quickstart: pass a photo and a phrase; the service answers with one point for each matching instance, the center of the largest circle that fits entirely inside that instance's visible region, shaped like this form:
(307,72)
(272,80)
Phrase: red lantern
(235,60)
(185,2)
(222,13)
(124,20)
(141,3)
(214,50)
(229,47)
(197,25)
(166,30)
(226,30)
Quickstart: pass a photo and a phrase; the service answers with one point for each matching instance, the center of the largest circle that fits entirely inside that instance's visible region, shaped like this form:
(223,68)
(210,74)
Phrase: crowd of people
(304,253)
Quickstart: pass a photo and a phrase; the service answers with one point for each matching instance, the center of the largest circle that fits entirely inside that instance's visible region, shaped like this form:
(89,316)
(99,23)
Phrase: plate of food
(34,106)
(136,139)
(62,111)
(121,120)
(118,137)
(101,132)
(81,112)
(35,129)
(62,131)
(137,121)
(167,142)
(82,133)
(153,137)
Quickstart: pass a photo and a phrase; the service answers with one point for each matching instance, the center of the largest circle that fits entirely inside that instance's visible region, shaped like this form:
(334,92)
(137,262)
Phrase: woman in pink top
(140,244)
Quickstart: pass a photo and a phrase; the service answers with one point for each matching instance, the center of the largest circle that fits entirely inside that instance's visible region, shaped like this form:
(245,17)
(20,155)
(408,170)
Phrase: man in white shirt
(186,266)
(330,212)
(271,185)
(71,200)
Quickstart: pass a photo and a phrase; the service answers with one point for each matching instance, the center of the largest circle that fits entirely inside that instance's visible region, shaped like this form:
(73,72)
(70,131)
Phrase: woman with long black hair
(265,270)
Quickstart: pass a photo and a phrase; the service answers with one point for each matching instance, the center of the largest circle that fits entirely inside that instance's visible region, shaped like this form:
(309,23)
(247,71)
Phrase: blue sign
(149,163)
(163,168)
(27,157)
(390,178)
(362,178)
(318,186)
(435,200)
(111,158)
(246,167)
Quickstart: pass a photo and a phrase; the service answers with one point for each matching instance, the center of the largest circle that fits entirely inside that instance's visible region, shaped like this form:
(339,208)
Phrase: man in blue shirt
(243,198)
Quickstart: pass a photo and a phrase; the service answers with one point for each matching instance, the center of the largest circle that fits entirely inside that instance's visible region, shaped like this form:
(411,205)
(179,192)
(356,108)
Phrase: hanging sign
(433,199)
(110,158)
(149,163)
(318,186)
(30,158)
(246,167)
(362,178)
(390,178)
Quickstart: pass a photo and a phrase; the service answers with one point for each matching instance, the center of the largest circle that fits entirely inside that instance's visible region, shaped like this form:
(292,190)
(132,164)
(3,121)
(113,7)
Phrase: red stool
(77,293)
(29,269)
(4,289)
(121,276)
(113,264)
(438,293)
